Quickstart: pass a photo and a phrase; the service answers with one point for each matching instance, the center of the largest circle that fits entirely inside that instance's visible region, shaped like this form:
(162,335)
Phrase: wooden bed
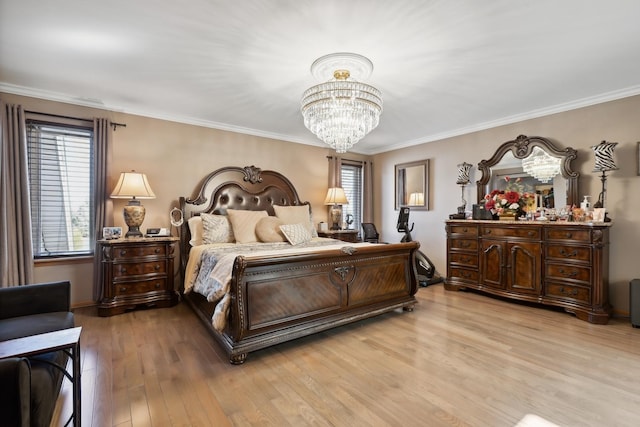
(279,298)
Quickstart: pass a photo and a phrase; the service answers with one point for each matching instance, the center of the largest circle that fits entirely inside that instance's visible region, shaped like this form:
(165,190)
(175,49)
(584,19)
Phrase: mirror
(555,191)
(412,189)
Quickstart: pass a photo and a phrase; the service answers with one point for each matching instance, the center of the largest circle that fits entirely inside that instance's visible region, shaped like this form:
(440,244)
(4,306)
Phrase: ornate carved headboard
(233,187)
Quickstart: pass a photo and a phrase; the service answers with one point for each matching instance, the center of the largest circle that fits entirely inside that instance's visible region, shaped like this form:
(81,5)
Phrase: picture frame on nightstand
(110,233)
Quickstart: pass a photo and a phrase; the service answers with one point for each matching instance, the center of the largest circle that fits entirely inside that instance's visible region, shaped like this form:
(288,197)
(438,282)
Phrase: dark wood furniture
(563,264)
(137,272)
(344,235)
(67,340)
(280,298)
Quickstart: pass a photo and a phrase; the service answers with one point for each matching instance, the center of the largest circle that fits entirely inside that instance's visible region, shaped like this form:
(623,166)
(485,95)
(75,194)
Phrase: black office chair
(370,233)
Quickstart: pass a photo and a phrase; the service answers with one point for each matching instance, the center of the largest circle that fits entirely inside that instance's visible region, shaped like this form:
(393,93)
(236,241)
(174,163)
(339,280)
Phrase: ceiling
(445,67)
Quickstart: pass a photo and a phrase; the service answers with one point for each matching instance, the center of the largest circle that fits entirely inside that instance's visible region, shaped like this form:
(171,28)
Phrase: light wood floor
(459,359)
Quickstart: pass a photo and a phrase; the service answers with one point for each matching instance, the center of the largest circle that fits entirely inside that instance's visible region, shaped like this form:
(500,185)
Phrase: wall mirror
(412,185)
(531,159)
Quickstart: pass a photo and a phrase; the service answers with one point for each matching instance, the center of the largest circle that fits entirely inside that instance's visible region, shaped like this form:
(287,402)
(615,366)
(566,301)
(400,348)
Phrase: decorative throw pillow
(243,224)
(296,215)
(195,229)
(296,233)
(268,229)
(216,229)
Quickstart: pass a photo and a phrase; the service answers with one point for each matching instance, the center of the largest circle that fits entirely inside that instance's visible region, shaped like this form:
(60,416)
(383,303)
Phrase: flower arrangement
(512,200)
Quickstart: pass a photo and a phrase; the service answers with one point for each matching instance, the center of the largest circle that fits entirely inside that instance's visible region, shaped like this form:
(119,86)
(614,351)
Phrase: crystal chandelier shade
(340,112)
(541,165)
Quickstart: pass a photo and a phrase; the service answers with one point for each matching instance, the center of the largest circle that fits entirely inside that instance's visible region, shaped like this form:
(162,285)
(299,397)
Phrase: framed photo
(110,233)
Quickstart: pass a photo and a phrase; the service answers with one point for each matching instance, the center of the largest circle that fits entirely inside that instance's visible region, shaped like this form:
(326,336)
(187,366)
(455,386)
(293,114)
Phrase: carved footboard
(277,299)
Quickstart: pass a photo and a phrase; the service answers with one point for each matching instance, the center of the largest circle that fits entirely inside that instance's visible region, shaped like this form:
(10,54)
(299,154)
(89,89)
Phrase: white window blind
(351,175)
(60,182)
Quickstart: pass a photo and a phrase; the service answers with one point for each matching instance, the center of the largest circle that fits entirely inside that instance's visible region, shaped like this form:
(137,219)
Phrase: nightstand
(137,272)
(344,235)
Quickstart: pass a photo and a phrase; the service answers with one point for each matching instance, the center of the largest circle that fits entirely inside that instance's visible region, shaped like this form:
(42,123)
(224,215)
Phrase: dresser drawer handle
(123,252)
(488,231)
(123,270)
(123,289)
(465,244)
(568,254)
(157,250)
(157,267)
(464,230)
(465,274)
(158,285)
(466,260)
(569,235)
(568,273)
(573,292)
(531,233)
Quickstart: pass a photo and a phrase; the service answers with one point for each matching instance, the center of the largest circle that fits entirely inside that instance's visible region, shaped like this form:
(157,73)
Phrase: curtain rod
(349,160)
(114,124)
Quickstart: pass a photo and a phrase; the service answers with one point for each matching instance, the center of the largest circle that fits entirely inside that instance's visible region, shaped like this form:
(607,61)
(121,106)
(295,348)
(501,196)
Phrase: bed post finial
(252,174)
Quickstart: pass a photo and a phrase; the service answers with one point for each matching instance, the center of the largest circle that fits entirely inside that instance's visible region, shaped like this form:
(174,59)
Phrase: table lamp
(335,198)
(134,186)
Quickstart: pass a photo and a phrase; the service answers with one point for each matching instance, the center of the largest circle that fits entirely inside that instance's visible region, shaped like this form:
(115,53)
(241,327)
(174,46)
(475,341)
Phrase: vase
(508,215)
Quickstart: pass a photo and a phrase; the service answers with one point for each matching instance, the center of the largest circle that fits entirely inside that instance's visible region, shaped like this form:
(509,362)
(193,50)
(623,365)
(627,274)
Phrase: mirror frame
(521,147)
(400,184)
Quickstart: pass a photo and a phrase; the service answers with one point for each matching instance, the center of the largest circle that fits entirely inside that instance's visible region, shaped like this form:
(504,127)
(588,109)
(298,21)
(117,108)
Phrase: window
(351,176)
(60,160)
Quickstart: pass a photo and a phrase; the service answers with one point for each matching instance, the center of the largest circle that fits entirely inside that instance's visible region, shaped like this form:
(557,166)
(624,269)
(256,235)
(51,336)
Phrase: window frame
(77,129)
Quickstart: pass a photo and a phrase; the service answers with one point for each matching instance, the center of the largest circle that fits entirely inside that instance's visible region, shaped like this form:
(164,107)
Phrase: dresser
(562,264)
(137,272)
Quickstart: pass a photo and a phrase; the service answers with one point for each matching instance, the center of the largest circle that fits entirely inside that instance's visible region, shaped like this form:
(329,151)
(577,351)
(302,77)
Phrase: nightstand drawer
(140,251)
(141,287)
(134,269)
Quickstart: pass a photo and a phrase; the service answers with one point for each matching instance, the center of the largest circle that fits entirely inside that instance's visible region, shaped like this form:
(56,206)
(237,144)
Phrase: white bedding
(209,268)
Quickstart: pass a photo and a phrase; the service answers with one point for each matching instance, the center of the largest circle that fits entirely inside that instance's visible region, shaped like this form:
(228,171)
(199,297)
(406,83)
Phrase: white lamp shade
(336,196)
(416,199)
(132,185)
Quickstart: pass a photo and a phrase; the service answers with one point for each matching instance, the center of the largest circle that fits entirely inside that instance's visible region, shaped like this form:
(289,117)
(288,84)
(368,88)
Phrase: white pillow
(296,215)
(243,224)
(195,229)
(296,233)
(268,229)
(216,229)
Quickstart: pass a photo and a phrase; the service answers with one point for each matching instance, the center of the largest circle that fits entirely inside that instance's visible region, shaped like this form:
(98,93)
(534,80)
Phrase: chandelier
(342,110)
(541,165)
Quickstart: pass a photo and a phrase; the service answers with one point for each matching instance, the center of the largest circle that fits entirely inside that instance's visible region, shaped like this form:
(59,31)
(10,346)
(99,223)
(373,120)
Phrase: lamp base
(336,216)
(134,214)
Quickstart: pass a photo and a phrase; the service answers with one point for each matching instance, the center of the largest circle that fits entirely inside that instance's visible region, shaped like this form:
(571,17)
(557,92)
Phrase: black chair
(370,233)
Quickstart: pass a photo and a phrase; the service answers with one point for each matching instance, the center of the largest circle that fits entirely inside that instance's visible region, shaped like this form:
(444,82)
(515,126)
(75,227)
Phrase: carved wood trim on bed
(279,298)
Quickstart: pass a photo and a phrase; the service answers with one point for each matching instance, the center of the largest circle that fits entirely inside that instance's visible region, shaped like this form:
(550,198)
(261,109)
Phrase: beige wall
(175,156)
(613,121)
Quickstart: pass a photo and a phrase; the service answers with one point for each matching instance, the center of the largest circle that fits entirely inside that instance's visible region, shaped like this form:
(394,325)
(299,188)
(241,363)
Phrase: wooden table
(67,340)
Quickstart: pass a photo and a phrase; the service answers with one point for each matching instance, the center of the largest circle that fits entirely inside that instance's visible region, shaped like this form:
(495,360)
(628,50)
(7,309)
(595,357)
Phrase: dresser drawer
(137,288)
(568,253)
(463,274)
(568,292)
(138,268)
(462,259)
(570,272)
(140,251)
(465,230)
(517,231)
(564,234)
(463,244)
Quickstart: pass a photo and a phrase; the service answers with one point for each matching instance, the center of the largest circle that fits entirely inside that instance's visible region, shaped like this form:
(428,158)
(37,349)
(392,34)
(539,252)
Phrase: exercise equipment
(427,274)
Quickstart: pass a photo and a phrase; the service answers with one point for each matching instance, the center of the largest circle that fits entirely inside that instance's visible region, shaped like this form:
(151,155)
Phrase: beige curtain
(103,205)
(16,252)
(367,192)
(335,174)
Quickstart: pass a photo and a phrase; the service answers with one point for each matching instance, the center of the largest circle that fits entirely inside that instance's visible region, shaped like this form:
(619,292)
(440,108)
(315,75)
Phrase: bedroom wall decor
(342,110)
